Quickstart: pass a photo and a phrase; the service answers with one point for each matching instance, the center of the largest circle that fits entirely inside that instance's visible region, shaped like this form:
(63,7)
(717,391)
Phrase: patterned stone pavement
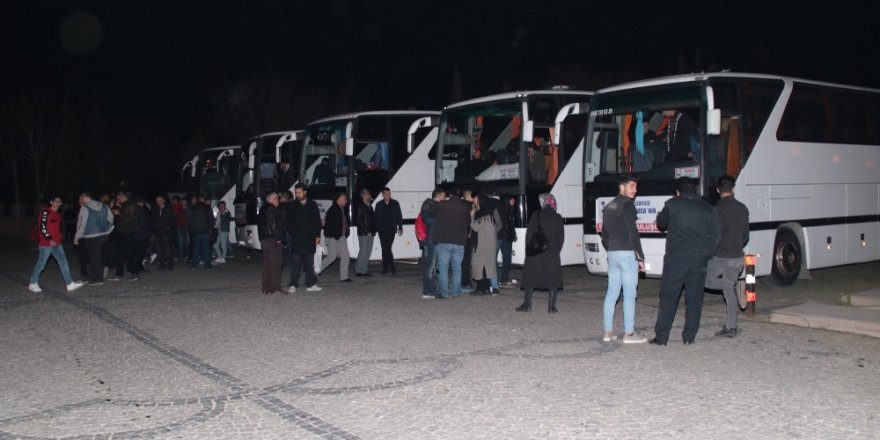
(199,354)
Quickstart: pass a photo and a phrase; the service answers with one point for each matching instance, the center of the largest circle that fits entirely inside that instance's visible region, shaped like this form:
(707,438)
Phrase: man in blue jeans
(429,248)
(452,217)
(625,259)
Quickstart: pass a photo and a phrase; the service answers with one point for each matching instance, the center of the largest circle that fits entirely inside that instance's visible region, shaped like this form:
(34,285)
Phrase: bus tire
(787,257)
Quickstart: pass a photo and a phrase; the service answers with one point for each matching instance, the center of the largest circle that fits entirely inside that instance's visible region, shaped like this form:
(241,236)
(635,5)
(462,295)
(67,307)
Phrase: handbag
(538,243)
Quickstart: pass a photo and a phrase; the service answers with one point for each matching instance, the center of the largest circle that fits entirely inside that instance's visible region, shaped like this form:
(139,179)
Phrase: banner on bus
(647,208)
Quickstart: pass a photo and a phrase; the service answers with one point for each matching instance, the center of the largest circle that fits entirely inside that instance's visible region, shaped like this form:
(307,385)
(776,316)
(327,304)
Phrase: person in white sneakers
(49,232)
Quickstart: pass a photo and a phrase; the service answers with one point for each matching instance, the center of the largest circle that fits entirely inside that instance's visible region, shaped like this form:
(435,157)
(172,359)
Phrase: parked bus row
(804,155)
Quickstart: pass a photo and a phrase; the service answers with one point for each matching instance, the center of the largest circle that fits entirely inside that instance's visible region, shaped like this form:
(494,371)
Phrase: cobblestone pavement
(198,354)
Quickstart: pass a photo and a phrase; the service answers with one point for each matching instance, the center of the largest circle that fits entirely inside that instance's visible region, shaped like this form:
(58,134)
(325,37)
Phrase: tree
(12,157)
(41,123)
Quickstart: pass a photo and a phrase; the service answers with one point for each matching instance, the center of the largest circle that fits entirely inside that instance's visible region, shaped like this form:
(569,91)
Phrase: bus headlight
(592,247)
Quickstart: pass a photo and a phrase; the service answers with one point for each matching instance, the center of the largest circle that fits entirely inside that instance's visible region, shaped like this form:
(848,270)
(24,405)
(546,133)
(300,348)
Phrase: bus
(804,154)
(510,142)
(372,150)
(270,164)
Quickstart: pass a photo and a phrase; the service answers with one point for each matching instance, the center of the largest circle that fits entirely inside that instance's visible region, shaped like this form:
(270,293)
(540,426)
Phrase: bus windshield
(653,133)
(480,143)
(324,162)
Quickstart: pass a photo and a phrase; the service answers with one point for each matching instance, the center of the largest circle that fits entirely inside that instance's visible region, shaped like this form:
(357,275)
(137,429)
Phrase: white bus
(510,142)
(372,150)
(805,155)
(269,164)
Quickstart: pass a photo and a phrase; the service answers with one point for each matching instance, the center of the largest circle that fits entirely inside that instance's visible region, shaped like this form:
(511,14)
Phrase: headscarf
(548,202)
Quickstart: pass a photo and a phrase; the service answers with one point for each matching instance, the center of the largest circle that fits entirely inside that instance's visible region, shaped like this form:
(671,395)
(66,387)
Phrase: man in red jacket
(49,231)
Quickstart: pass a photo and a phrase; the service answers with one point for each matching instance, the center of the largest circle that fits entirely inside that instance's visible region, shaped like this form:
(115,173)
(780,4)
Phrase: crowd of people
(461,236)
(120,235)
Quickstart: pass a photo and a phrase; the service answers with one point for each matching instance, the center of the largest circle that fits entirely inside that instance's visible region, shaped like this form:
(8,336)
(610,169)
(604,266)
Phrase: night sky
(148,82)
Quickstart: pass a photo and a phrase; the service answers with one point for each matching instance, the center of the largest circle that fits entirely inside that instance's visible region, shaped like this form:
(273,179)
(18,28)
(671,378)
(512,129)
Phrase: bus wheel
(741,294)
(787,257)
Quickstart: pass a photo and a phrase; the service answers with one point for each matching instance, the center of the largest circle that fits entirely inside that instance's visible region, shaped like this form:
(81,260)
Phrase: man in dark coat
(200,220)
(452,221)
(544,270)
(365,219)
(337,228)
(303,223)
(272,235)
(390,221)
(162,223)
(692,236)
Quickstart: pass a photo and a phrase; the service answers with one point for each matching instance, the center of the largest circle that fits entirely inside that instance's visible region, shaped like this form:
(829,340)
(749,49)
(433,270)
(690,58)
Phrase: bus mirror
(349,146)
(713,122)
(528,131)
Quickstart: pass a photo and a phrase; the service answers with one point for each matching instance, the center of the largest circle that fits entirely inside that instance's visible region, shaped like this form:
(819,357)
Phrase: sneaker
(727,332)
(73,286)
(219,261)
(134,278)
(153,258)
(427,296)
(513,281)
(314,288)
(608,338)
(634,338)
(114,278)
(291,289)
(34,287)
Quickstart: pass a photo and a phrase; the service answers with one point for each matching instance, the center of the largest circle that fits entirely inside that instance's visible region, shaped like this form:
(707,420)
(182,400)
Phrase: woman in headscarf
(544,270)
(486,222)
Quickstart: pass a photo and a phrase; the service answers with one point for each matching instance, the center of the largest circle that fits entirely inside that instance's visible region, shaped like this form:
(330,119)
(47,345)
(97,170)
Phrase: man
(453,218)
(692,236)
(366,231)
(303,224)
(466,286)
(142,232)
(128,226)
(336,231)
(271,231)
(180,210)
(724,268)
(224,218)
(49,231)
(162,222)
(625,259)
(429,248)
(93,227)
(389,220)
(200,220)
(681,137)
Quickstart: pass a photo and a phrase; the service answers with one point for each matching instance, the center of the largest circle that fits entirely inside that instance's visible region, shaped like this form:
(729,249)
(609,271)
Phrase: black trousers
(83,254)
(302,263)
(164,248)
(386,240)
(92,248)
(678,271)
(128,255)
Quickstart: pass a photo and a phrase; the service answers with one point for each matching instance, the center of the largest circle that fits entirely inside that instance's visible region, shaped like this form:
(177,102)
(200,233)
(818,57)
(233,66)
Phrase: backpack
(421,229)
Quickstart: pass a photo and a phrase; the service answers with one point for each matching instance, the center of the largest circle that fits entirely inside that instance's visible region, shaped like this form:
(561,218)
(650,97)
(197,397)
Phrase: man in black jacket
(162,222)
(303,223)
(337,228)
(200,220)
(365,219)
(389,220)
(724,268)
(272,233)
(620,237)
(692,236)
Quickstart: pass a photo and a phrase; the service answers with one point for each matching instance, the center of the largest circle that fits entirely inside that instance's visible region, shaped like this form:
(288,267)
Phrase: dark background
(107,94)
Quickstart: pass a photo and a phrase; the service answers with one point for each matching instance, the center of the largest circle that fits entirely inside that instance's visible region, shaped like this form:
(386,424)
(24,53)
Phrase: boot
(551,305)
(527,302)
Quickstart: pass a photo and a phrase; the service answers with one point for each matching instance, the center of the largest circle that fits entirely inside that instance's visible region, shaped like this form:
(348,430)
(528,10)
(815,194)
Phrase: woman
(485,223)
(544,270)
